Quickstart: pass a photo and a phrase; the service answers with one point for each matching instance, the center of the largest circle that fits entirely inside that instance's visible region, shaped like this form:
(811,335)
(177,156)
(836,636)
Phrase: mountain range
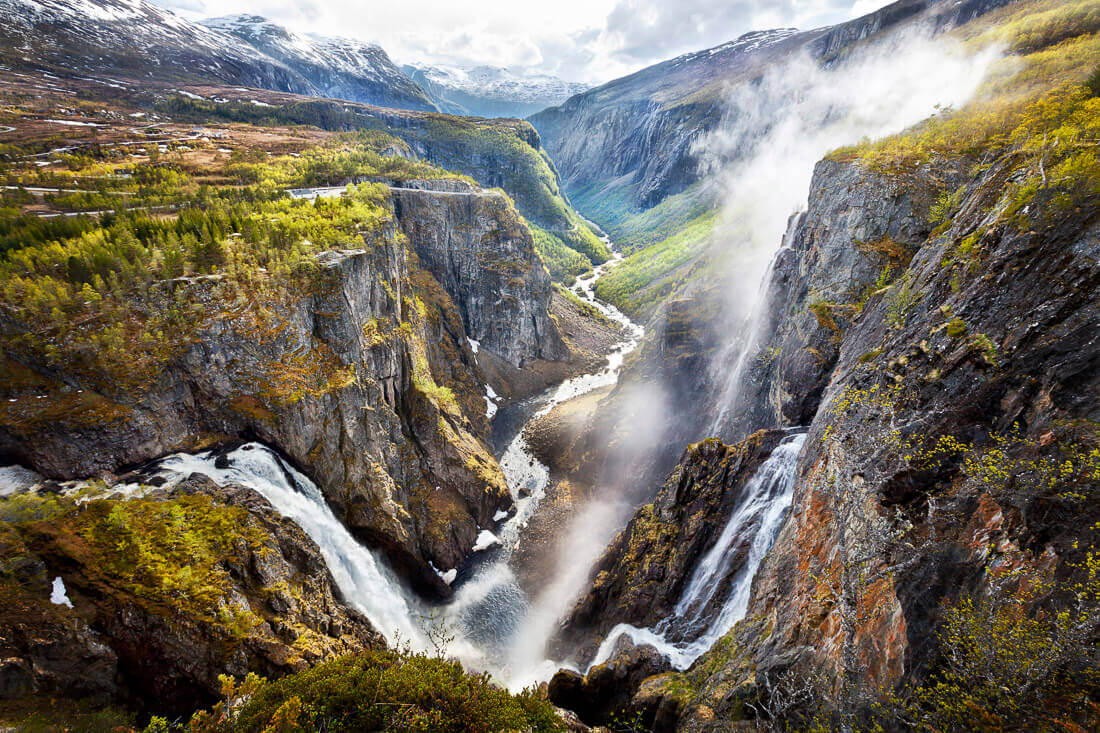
(136,38)
(491,91)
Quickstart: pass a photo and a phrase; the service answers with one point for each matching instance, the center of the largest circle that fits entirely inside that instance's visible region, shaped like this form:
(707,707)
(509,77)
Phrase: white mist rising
(776,129)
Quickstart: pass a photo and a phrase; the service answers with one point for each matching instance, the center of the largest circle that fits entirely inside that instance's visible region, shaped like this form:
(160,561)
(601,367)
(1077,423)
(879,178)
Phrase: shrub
(902,301)
(1007,665)
(378,690)
(1093,82)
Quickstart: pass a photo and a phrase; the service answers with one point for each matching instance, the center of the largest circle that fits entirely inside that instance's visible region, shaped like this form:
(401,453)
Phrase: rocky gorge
(340,419)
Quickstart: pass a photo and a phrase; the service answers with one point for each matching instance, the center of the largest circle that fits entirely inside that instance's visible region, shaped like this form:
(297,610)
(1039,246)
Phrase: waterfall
(739,350)
(764,500)
(366,584)
(507,631)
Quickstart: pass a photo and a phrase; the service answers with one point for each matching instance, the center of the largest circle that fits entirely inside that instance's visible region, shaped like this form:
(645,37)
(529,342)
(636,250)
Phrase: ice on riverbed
(474,345)
(58,597)
(485,540)
(500,515)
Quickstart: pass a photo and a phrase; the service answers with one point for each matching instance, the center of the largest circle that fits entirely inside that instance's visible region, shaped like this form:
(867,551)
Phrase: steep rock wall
(363,377)
(480,252)
(983,332)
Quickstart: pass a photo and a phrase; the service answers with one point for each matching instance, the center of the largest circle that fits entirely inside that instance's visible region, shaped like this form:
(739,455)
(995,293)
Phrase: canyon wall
(364,377)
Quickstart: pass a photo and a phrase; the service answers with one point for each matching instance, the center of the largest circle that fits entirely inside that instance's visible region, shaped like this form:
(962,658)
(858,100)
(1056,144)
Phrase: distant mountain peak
(492,91)
(136,38)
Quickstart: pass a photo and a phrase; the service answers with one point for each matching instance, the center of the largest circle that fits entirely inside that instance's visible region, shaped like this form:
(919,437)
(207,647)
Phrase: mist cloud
(776,129)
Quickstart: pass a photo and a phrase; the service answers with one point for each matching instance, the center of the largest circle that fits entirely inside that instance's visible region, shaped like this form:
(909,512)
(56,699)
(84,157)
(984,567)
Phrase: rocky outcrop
(642,573)
(150,640)
(605,694)
(475,245)
(362,376)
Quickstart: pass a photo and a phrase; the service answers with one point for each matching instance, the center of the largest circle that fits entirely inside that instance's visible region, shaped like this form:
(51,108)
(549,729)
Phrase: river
(490,624)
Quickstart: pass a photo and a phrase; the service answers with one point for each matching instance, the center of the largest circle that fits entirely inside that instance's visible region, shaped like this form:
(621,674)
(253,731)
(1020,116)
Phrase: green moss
(956,328)
(985,345)
(870,356)
(903,298)
(823,310)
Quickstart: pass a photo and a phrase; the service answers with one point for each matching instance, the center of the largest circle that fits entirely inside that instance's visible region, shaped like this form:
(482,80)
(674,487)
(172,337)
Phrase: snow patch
(75,123)
(485,540)
(58,597)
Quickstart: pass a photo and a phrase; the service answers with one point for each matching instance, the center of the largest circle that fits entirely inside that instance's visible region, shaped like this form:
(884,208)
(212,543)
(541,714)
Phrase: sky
(590,41)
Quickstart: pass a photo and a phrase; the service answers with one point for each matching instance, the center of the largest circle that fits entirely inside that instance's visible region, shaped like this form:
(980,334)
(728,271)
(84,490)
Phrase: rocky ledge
(145,601)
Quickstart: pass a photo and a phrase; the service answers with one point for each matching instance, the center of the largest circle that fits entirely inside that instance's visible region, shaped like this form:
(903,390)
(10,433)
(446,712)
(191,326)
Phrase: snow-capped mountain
(336,67)
(137,39)
(491,91)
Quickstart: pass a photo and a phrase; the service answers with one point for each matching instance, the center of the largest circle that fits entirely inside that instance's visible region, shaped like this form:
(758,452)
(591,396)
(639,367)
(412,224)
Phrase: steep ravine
(370,383)
(997,350)
(497,626)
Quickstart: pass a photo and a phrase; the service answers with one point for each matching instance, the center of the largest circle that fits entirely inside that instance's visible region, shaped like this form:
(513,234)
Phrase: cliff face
(893,338)
(634,135)
(858,233)
(255,596)
(996,347)
(365,380)
(476,247)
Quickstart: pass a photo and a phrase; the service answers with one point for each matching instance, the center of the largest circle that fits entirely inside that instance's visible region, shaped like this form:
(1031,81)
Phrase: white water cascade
(366,584)
(763,501)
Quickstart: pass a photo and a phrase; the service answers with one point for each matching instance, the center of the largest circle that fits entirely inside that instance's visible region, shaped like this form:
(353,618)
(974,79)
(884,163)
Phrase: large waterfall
(762,503)
(366,584)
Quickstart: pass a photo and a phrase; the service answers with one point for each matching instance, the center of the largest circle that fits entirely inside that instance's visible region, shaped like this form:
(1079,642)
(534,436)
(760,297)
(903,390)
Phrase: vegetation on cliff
(495,152)
(381,690)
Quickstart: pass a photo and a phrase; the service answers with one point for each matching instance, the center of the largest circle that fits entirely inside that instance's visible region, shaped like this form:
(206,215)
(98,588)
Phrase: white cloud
(580,40)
